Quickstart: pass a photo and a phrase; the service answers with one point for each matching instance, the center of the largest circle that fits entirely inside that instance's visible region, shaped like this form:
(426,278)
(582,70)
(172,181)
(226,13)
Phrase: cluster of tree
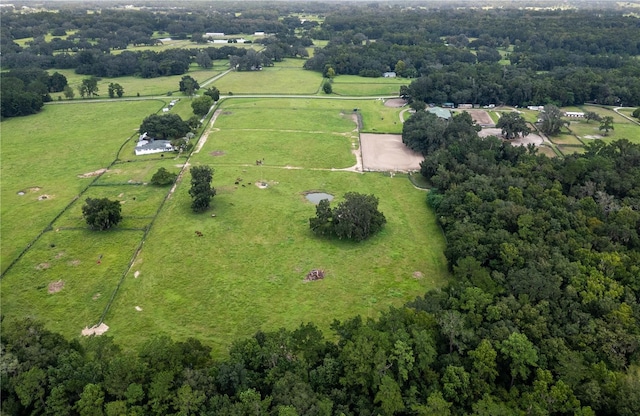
(569,64)
(425,132)
(165,126)
(102,213)
(163,177)
(201,190)
(356,218)
(250,61)
(24,91)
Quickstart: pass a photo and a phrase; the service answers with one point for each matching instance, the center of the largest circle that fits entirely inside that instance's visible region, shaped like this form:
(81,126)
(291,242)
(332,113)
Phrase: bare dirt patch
(395,102)
(96,296)
(315,274)
(60,255)
(92,174)
(481,117)
(74,263)
(95,330)
(386,152)
(44,197)
(262,185)
(217,153)
(43,266)
(532,138)
(418,275)
(55,287)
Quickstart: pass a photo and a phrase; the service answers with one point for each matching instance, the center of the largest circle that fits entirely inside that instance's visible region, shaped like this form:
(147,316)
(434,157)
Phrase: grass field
(283,78)
(246,273)
(144,86)
(354,85)
(43,154)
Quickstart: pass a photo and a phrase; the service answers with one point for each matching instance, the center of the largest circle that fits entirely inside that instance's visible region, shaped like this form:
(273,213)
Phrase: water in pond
(316,197)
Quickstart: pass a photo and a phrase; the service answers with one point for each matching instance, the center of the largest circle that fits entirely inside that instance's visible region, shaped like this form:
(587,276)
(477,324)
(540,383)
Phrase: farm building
(389,75)
(574,114)
(147,145)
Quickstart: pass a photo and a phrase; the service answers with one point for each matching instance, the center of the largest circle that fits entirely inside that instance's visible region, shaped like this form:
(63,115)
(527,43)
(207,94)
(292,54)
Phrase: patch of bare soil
(481,117)
(95,330)
(74,263)
(315,274)
(44,197)
(386,152)
(96,296)
(262,185)
(55,287)
(43,266)
(395,102)
(217,153)
(34,189)
(418,275)
(92,174)
(60,255)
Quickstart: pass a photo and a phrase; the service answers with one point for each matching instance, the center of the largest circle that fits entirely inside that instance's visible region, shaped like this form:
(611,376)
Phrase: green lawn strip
(133,85)
(568,149)
(623,129)
(270,80)
(246,272)
(361,86)
(565,138)
(49,151)
(378,118)
(71,256)
(604,111)
(287,114)
(139,171)
(278,149)
(137,201)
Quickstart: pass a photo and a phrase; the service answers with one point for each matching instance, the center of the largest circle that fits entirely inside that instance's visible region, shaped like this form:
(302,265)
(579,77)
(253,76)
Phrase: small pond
(316,197)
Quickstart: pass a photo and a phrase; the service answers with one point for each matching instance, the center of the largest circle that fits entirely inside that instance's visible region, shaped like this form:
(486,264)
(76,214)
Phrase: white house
(146,145)
(574,114)
(389,75)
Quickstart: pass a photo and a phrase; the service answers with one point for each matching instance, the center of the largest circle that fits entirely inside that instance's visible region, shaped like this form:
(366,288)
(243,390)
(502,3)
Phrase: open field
(43,154)
(354,85)
(284,78)
(246,272)
(144,86)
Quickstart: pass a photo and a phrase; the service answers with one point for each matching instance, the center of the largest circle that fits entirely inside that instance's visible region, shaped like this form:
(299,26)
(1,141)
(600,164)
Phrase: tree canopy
(356,218)
(164,126)
(201,190)
(102,213)
(513,125)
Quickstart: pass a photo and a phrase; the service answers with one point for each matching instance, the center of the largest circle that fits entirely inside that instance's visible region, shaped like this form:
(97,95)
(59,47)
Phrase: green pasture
(71,256)
(354,85)
(566,138)
(378,118)
(623,129)
(271,80)
(300,114)
(138,202)
(138,170)
(135,85)
(569,150)
(45,153)
(246,272)
(282,149)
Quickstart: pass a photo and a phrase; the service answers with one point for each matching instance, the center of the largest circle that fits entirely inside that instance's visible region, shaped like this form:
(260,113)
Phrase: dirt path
(205,135)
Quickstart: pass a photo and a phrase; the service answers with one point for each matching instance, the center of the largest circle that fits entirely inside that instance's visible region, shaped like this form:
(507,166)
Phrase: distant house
(440,112)
(147,145)
(574,114)
(389,75)
(535,107)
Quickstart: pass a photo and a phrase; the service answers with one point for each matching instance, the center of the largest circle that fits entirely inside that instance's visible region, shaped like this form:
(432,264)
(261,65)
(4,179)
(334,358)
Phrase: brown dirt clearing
(520,141)
(395,102)
(43,266)
(92,174)
(386,152)
(481,117)
(95,330)
(55,287)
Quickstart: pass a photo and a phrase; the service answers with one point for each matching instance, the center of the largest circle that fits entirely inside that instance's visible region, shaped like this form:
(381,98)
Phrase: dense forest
(541,316)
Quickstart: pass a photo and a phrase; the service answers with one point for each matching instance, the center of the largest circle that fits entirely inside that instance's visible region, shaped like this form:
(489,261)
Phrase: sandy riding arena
(395,102)
(481,117)
(531,138)
(386,152)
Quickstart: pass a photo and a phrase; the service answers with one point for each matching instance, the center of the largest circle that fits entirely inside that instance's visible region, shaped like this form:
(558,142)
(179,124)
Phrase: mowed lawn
(361,86)
(246,272)
(43,154)
(287,77)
